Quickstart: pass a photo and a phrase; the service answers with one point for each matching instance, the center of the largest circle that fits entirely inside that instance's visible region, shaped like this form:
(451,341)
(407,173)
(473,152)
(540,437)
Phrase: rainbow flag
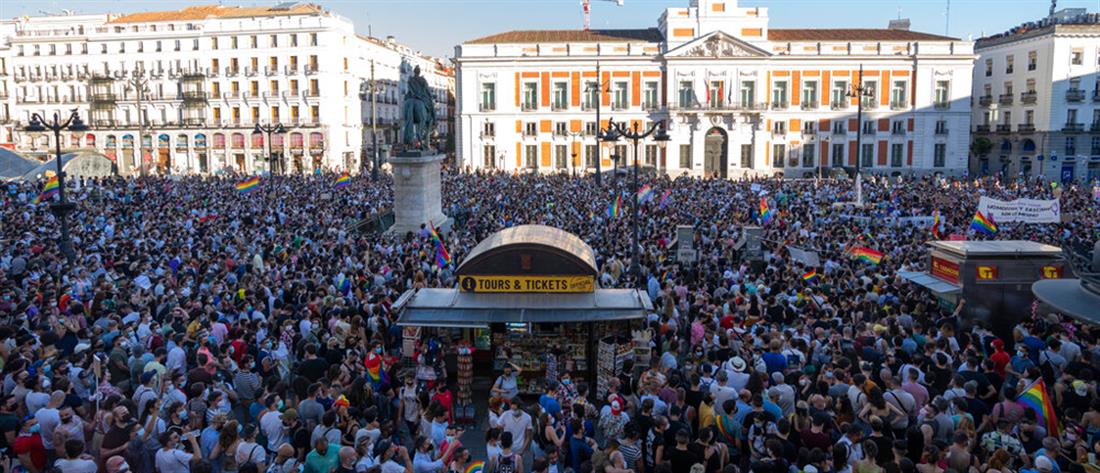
(765,213)
(614,209)
(475,467)
(343,180)
(867,255)
(1036,398)
(250,185)
(667,196)
(345,286)
(645,194)
(983,224)
(49,190)
(373,364)
(810,276)
(442,257)
(936,224)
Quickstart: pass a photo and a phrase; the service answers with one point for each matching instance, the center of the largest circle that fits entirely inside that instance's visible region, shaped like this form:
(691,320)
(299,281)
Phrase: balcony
(251,71)
(103,97)
(941,105)
(311,93)
(809,105)
(1029,97)
(985,100)
(1096,96)
(898,131)
(809,131)
(840,131)
(1006,99)
(719,108)
(782,105)
(311,70)
(1025,128)
(1095,127)
(1073,128)
(194,95)
(232,71)
(898,105)
(941,130)
(981,129)
(486,107)
(839,105)
(1004,128)
(270,71)
(870,104)
(1075,95)
(193,122)
(558,106)
(528,107)
(619,106)
(104,124)
(488,134)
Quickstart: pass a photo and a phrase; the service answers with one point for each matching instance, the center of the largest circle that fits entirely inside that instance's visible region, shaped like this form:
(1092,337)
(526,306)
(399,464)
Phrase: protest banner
(1021,210)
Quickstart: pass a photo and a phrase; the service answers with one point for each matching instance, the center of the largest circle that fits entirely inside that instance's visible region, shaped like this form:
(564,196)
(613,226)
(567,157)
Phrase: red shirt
(447,401)
(31,445)
(1000,359)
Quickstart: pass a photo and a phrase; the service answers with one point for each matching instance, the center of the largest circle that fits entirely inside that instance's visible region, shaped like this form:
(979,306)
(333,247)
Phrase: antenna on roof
(1053,6)
(947,22)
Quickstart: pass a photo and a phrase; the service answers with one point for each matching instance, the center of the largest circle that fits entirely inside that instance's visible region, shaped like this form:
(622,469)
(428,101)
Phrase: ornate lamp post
(63,207)
(634,135)
(270,130)
(609,137)
(858,90)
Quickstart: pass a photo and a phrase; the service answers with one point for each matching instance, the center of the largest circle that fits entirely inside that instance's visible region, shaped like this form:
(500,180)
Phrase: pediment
(717,45)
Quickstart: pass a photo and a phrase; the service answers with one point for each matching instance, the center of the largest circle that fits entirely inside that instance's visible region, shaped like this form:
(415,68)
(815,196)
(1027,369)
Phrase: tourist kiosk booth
(994,277)
(522,291)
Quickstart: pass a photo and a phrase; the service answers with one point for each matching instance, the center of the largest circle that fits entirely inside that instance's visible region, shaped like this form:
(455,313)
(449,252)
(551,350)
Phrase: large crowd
(202,330)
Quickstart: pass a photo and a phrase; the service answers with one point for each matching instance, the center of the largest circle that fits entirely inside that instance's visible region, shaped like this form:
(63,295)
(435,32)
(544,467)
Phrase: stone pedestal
(417,192)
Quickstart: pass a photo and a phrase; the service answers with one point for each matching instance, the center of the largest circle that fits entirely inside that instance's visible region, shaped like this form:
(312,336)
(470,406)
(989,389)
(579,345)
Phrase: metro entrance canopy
(524,274)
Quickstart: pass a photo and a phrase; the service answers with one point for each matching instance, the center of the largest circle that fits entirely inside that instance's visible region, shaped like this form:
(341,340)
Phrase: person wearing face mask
(409,408)
(246,382)
(74,460)
(28,446)
(170,459)
(519,424)
(70,428)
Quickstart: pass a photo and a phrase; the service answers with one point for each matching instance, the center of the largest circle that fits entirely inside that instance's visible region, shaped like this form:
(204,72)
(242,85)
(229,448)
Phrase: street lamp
(269,130)
(634,135)
(609,137)
(63,207)
(861,92)
(576,135)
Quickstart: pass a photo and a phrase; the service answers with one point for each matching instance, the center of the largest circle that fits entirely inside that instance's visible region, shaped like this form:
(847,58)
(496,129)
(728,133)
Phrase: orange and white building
(740,98)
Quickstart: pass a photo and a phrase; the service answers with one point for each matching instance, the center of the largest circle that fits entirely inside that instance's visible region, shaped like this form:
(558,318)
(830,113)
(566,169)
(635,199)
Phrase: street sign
(543,284)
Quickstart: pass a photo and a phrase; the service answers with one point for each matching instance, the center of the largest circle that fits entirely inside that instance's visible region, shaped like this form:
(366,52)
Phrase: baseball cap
(1080,388)
(290,414)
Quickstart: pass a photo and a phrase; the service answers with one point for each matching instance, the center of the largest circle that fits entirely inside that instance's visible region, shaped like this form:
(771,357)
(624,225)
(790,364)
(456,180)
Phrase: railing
(724,107)
(487,107)
(1075,95)
(103,97)
(941,105)
(1004,128)
(557,107)
(1025,128)
(310,70)
(271,71)
(528,107)
(840,131)
(1073,128)
(1006,99)
(291,70)
(1029,97)
(898,105)
(1096,95)
(195,122)
(1095,127)
(809,130)
(869,130)
(981,129)
(232,71)
(810,105)
(781,105)
(985,100)
(897,131)
(194,95)
(839,105)
(941,130)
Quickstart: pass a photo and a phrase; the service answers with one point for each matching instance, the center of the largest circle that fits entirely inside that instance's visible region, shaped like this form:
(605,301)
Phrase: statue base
(417,191)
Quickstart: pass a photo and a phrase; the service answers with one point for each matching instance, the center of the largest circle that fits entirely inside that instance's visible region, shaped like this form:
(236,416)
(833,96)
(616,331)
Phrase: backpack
(249,460)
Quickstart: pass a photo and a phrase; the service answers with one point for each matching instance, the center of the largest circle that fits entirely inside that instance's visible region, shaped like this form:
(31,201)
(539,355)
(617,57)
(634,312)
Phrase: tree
(981,146)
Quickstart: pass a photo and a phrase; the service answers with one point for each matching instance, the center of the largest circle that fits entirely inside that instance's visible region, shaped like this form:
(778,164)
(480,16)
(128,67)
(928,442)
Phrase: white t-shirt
(76,466)
(173,461)
(272,425)
(518,426)
(392,467)
(248,451)
(48,419)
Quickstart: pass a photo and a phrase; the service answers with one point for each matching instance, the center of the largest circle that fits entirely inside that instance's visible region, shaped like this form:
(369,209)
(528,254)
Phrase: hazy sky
(436,26)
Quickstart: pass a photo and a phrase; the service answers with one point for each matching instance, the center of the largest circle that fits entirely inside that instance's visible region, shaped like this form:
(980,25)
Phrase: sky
(436,26)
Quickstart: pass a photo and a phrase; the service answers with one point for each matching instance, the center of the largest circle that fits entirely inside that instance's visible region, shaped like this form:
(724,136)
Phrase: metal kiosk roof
(523,252)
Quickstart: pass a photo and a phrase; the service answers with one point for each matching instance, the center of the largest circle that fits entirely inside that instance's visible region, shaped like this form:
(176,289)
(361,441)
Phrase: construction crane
(1053,6)
(587,6)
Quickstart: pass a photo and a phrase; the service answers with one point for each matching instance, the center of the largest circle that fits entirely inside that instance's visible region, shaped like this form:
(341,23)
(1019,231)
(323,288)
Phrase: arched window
(128,141)
(219,140)
(89,139)
(238,141)
(316,140)
(200,140)
(258,140)
(1028,145)
(1006,146)
(162,141)
(297,141)
(181,141)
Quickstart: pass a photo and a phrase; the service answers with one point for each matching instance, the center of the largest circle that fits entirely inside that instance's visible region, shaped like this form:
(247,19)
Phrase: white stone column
(418,193)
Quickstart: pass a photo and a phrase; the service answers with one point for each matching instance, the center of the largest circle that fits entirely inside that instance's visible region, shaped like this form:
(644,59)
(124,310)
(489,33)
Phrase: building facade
(740,98)
(1036,99)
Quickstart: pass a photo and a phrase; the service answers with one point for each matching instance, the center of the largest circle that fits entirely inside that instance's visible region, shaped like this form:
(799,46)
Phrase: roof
(13,165)
(852,34)
(203,12)
(453,308)
(650,35)
(653,35)
(995,248)
(569,254)
(930,282)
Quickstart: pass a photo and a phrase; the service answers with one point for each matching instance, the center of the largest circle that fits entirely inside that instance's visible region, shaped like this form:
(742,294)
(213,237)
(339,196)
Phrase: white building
(213,73)
(740,97)
(1037,99)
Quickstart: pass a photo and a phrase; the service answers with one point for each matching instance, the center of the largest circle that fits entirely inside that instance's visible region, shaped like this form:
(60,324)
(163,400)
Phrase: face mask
(281,405)
(517,412)
(567,382)
(124,466)
(450,438)
(35,428)
(239,428)
(378,350)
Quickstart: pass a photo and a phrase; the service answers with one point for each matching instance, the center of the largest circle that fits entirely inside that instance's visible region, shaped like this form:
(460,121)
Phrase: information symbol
(468,284)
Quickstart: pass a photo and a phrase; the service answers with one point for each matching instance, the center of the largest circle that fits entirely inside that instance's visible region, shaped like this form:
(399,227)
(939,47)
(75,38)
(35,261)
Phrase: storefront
(523,294)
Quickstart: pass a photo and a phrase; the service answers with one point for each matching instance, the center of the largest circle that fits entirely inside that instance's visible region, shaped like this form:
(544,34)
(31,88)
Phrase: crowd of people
(198,329)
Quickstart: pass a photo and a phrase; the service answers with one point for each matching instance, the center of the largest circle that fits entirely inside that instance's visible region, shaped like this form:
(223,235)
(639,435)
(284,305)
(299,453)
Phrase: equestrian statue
(419,113)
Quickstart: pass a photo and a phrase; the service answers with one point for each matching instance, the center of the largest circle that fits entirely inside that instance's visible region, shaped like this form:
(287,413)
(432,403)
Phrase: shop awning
(453,308)
(930,282)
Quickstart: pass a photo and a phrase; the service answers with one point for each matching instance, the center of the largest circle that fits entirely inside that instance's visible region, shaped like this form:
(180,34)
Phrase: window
(273,40)
(686,94)
(714,93)
(839,127)
(779,127)
(531,157)
(313,39)
(870,90)
(1095,146)
(748,94)
(1008,88)
(488,129)
(896,151)
(214,42)
(897,127)
(253,42)
(530,129)
(650,156)
(809,154)
(315,113)
(649,97)
(1077,57)
(1029,117)
(590,129)
(1006,119)
(867,158)
(591,95)
(1032,60)
(685,156)
(69,48)
(746,156)
(779,153)
(941,127)
(809,94)
(560,98)
(779,94)
(1071,145)
(943,93)
(939,155)
(591,154)
(838,155)
(839,97)
(1071,116)
(989,67)
(103,48)
(561,128)
(294,40)
(898,94)
(488,97)
(869,127)
(195,44)
(530,96)
(561,157)
(1008,64)
(489,156)
(619,98)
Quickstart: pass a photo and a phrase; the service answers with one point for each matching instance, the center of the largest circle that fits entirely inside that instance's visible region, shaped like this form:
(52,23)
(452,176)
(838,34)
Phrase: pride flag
(983,224)
(475,467)
(345,286)
(442,257)
(614,209)
(936,224)
(51,189)
(343,180)
(1036,398)
(645,194)
(765,213)
(665,198)
(250,185)
(810,276)
(867,255)
(373,364)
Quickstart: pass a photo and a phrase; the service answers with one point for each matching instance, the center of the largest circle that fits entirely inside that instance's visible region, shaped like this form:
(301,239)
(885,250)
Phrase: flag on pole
(343,180)
(936,224)
(983,224)
(51,189)
(810,276)
(766,214)
(645,194)
(663,202)
(442,257)
(614,209)
(1036,398)
(249,185)
(867,255)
